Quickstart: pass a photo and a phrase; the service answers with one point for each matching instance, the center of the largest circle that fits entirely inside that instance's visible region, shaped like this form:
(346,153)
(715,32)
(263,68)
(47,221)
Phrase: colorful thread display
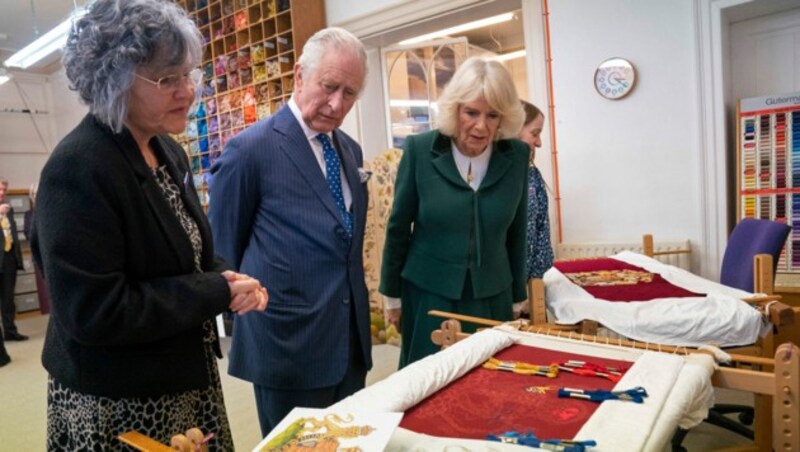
(769,167)
(248,62)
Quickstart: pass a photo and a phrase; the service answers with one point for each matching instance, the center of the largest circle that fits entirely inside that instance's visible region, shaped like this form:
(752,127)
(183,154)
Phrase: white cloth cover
(720,318)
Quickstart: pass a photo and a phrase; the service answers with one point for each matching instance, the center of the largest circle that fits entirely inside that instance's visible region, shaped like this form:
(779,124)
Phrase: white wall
(373,137)
(629,166)
(765,55)
(67,109)
(25,138)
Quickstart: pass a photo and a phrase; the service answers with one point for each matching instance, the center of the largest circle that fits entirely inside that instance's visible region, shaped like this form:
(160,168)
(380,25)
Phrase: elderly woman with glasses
(124,244)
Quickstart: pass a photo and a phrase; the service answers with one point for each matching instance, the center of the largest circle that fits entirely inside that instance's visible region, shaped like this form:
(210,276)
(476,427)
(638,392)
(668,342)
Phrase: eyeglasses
(173,82)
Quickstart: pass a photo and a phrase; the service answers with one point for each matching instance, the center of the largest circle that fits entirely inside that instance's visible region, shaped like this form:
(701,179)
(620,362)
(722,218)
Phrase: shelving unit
(25,291)
(768,170)
(248,69)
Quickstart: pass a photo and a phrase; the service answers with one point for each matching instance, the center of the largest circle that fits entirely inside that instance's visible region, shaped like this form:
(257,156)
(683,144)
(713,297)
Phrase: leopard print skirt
(77,421)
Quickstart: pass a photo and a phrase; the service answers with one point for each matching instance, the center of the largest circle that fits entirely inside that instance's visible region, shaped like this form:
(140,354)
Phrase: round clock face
(614,78)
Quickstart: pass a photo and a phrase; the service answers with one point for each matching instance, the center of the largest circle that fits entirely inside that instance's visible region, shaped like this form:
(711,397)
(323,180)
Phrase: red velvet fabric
(484,402)
(642,291)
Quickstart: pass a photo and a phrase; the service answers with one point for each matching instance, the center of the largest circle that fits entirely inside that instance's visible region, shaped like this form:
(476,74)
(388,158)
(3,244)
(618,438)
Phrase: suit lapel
(162,211)
(299,151)
(499,164)
(444,163)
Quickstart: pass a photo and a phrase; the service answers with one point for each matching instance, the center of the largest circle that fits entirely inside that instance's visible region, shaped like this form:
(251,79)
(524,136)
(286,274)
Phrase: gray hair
(115,37)
(489,79)
(325,40)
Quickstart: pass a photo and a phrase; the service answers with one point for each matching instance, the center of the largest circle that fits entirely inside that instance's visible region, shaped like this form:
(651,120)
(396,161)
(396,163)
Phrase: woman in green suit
(455,240)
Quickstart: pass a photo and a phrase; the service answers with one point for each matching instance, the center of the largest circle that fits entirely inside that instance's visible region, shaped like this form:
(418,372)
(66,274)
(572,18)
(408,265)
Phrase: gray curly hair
(324,41)
(115,37)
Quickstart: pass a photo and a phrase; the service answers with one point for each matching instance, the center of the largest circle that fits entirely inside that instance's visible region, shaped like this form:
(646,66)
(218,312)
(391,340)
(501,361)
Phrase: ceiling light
(4,76)
(461,28)
(509,55)
(45,45)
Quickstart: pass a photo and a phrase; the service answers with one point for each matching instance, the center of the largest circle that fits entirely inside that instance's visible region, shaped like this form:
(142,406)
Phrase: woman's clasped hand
(247,294)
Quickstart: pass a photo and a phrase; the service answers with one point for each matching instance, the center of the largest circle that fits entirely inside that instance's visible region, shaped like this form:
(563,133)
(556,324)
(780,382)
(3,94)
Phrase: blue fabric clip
(529,439)
(636,394)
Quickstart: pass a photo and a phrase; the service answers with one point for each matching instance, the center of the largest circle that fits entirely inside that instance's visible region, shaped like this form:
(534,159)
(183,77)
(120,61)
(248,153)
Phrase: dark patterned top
(540,251)
(173,195)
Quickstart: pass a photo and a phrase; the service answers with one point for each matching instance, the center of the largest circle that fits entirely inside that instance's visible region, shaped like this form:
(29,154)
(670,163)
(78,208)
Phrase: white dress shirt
(479,164)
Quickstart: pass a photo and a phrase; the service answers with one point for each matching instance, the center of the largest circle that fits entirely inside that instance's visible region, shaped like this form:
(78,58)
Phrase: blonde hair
(476,78)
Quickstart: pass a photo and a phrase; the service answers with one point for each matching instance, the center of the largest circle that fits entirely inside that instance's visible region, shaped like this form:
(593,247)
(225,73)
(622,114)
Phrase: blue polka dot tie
(335,180)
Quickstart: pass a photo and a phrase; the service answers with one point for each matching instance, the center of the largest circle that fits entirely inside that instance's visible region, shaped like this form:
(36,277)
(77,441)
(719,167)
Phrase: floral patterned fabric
(381,196)
(540,251)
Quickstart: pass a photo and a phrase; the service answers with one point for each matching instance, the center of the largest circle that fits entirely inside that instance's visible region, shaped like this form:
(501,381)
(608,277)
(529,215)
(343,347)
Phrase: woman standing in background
(540,250)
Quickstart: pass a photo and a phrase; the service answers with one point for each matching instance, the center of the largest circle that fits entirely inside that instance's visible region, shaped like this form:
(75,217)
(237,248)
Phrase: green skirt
(416,325)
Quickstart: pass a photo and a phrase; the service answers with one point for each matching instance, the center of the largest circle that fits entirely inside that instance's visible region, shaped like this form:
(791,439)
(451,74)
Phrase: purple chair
(749,238)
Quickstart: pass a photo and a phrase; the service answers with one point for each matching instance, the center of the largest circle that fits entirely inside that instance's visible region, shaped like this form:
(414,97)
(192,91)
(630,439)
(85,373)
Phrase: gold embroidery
(610,278)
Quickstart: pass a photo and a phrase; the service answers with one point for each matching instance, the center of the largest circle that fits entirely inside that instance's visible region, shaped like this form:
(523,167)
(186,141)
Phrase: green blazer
(440,229)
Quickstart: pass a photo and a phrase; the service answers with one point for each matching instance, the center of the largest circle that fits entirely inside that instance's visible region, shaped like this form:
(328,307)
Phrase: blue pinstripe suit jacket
(274,218)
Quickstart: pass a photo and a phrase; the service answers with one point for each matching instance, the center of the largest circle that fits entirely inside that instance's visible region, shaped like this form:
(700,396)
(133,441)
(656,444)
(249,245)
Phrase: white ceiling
(19,20)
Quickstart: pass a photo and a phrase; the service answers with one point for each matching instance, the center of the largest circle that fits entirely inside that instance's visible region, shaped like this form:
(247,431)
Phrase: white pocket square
(364,175)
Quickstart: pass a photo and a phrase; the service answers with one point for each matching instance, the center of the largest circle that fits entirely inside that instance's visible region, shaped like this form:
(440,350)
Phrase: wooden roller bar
(566,332)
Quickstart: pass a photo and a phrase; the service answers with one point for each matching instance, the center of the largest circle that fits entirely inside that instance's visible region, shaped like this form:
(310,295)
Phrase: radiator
(566,251)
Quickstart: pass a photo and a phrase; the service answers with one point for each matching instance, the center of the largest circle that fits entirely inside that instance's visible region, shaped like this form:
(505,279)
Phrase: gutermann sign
(775,102)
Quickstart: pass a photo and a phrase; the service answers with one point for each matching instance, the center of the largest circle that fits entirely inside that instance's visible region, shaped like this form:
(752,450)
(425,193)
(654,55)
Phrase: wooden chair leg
(538,309)
(589,327)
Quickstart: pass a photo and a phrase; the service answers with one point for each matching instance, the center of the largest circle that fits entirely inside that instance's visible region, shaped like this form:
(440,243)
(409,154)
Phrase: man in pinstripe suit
(279,214)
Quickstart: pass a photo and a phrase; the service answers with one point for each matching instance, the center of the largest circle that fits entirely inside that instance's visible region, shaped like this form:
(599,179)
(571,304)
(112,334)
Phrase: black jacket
(127,305)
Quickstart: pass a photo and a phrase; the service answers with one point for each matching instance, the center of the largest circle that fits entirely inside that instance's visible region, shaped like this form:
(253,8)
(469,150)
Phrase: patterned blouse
(540,251)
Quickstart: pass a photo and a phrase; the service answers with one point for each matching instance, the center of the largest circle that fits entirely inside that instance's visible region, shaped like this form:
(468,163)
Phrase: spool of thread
(181,443)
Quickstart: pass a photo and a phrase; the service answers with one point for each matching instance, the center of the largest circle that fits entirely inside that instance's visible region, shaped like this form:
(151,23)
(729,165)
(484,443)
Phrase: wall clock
(615,78)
